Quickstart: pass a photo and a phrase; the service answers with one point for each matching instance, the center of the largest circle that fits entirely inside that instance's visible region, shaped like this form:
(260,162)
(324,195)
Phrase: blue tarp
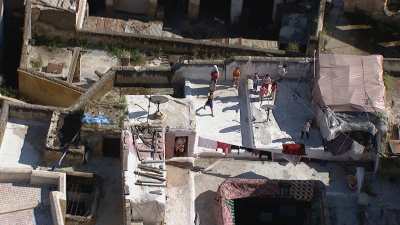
(90,119)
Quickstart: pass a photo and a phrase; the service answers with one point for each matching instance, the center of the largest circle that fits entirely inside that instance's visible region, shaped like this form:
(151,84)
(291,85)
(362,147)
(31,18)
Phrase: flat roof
(23,143)
(25,204)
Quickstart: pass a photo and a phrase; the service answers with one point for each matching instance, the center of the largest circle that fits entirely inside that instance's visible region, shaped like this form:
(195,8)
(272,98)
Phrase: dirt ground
(346,33)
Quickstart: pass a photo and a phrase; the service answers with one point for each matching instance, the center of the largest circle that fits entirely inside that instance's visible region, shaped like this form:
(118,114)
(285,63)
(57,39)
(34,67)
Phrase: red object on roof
(293,149)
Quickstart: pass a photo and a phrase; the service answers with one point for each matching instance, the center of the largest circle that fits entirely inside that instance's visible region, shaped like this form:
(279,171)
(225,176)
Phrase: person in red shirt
(236,77)
(215,74)
(262,93)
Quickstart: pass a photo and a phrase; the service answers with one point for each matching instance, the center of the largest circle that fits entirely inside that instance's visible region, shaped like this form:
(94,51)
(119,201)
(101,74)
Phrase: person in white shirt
(306,129)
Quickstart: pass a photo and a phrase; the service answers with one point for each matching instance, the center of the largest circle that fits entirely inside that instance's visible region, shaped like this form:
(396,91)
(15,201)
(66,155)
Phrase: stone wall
(367,6)
(31,112)
(131,77)
(391,65)
(40,90)
(58,198)
(377,9)
(3,120)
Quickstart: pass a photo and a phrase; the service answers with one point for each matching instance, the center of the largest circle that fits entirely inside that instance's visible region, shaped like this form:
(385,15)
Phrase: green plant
(389,81)
(8,91)
(293,47)
(37,63)
(137,58)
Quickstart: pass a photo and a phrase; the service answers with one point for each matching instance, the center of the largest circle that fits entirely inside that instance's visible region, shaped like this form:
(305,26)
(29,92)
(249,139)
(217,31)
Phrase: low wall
(172,45)
(151,77)
(58,199)
(199,70)
(31,112)
(3,120)
(391,65)
(41,90)
(296,67)
(99,89)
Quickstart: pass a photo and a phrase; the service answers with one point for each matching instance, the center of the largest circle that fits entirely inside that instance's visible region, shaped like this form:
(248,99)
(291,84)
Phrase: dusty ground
(355,34)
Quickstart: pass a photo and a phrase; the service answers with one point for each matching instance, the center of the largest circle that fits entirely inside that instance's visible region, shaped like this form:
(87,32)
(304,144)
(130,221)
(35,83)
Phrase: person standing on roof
(256,79)
(306,129)
(210,103)
(262,93)
(236,77)
(215,74)
(266,84)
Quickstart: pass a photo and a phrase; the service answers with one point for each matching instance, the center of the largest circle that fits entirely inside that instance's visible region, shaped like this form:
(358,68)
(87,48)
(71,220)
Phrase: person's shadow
(202,108)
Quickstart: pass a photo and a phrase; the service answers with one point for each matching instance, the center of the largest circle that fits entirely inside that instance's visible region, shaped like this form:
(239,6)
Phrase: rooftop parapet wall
(297,68)
(42,90)
(131,76)
(37,177)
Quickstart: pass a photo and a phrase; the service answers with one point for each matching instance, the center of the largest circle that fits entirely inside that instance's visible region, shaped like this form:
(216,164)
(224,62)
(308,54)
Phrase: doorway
(96,7)
(111,147)
(215,10)
(257,12)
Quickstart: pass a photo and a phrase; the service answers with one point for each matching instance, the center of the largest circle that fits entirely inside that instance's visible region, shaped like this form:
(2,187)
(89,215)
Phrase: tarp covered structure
(350,83)
(349,102)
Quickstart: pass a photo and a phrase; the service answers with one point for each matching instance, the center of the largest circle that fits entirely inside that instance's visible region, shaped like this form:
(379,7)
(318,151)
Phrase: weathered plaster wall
(296,67)
(378,9)
(200,70)
(368,6)
(31,112)
(391,65)
(130,76)
(43,91)
(3,120)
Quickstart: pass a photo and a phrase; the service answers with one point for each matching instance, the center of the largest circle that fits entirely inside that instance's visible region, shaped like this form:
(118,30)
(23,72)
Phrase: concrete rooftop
(24,204)
(23,143)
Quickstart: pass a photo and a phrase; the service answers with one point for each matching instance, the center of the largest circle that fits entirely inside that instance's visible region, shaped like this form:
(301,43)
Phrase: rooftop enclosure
(263,201)
(234,22)
(32,196)
(173,32)
(82,197)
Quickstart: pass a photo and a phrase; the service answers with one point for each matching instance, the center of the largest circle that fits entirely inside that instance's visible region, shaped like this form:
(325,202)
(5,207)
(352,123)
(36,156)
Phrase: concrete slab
(23,143)
(180,197)
(225,125)
(292,109)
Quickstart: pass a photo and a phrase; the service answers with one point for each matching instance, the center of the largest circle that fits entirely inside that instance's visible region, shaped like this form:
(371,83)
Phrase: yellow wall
(45,92)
